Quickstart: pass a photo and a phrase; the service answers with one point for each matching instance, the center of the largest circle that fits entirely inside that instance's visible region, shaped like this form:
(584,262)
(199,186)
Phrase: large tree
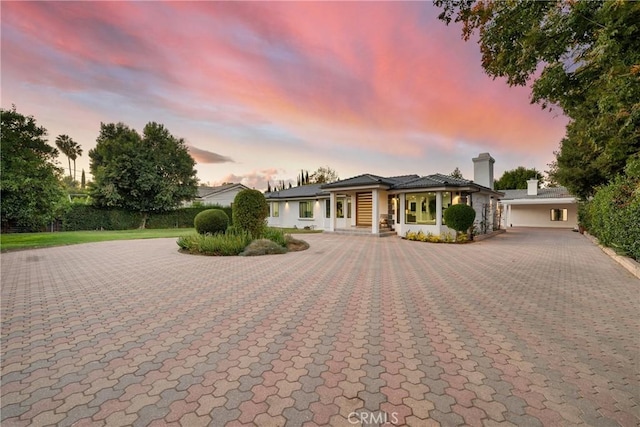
(583,57)
(323,175)
(516,178)
(65,145)
(30,188)
(146,173)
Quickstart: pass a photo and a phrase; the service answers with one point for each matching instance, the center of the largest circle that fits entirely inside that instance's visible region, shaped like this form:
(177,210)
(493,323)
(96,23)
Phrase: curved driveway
(532,327)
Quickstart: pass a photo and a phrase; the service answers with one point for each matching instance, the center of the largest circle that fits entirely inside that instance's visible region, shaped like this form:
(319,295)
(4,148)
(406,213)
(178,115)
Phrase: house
(539,207)
(222,195)
(377,205)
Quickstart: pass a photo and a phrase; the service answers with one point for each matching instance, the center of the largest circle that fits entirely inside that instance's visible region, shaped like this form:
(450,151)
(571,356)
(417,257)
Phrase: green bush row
(235,242)
(613,215)
(86,217)
(227,244)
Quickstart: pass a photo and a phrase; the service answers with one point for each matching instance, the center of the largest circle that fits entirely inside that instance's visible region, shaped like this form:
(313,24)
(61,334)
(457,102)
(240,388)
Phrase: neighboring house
(539,207)
(222,195)
(376,205)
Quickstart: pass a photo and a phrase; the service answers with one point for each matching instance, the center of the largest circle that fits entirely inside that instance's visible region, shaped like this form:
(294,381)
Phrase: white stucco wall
(289,215)
(540,216)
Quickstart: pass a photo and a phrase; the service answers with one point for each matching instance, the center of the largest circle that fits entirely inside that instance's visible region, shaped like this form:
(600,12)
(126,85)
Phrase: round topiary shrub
(250,211)
(459,217)
(211,221)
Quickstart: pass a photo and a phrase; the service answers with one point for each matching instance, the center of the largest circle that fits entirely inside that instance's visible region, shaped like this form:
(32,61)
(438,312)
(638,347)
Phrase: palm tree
(65,144)
(74,152)
(71,149)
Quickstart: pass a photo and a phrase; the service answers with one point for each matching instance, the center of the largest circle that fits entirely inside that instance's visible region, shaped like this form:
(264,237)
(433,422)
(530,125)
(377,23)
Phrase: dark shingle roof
(543,193)
(361,180)
(310,190)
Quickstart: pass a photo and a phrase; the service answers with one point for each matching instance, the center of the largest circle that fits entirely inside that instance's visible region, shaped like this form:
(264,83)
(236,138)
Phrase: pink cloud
(376,77)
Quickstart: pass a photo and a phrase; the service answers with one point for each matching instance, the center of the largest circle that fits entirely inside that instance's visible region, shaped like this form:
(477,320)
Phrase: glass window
(327,208)
(559,215)
(275,209)
(420,208)
(340,208)
(306,209)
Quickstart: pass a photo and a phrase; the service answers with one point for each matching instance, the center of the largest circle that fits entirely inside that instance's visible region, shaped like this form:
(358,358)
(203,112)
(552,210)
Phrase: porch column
(375,212)
(332,211)
(439,210)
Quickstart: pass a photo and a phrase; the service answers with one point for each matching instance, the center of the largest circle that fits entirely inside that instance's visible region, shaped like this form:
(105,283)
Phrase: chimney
(532,187)
(483,170)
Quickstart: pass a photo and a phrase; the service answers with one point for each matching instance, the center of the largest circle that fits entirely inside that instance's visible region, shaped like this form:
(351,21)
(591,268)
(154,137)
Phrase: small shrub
(211,221)
(275,235)
(250,211)
(459,217)
(214,244)
(263,247)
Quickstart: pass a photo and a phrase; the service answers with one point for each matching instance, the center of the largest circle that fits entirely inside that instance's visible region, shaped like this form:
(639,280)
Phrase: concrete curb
(630,264)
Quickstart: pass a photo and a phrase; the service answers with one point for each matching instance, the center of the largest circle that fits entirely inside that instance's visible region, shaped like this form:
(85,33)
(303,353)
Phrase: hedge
(87,217)
(613,215)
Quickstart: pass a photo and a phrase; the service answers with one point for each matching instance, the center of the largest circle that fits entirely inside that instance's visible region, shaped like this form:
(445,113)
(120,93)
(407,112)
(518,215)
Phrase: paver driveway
(531,327)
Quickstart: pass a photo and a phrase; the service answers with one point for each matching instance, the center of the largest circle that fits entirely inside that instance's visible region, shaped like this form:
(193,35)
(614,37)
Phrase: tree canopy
(583,57)
(30,188)
(456,173)
(323,175)
(151,172)
(516,178)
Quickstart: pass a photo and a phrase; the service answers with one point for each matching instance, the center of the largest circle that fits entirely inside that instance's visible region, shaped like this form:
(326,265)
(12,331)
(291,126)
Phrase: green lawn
(15,241)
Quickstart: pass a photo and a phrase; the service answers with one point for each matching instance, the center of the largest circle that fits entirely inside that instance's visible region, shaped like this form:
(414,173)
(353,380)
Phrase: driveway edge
(630,264)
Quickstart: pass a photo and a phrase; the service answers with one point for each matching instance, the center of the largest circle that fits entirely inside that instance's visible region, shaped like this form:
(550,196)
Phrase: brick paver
(532,327)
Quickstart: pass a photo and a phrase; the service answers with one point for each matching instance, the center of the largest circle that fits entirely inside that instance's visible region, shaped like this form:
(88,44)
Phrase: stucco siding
(289,215)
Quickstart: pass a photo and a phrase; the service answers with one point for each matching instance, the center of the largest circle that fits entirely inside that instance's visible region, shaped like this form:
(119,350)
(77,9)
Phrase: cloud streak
(207,157)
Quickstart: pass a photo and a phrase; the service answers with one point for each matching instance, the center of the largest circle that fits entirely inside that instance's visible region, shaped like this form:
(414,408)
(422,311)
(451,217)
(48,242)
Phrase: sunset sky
(260,91)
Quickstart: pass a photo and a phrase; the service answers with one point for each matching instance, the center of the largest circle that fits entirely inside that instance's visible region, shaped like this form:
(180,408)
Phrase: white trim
(554,201)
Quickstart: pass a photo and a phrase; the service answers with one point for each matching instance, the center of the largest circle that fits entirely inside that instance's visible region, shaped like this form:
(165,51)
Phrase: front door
(364,209)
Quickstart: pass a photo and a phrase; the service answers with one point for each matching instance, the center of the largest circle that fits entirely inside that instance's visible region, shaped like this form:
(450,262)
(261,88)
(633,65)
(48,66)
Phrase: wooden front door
(364,209)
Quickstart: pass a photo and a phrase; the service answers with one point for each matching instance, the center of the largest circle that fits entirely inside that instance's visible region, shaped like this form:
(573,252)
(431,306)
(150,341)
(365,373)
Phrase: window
(327,209)
(349,208)
(275,209)
(340,208)
(559,215)
(420,208)
(306,209)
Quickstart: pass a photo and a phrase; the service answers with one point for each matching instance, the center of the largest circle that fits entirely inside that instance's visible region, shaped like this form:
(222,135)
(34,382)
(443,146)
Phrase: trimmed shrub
(263,247)
(214,244)
(250,211)
(295,245)
(459,217)
(86,217)
(211,221)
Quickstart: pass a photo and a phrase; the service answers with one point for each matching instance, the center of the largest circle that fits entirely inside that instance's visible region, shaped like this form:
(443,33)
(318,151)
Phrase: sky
(260,91)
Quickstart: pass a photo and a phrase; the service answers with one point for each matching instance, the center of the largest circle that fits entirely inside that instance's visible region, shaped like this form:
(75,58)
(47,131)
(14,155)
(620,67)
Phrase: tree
(74,153)
(323,175)
(83,182)
(583,57)
(456,173)
(30,188)
(149,173)
(250,210)
(517,178)
(65,145)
